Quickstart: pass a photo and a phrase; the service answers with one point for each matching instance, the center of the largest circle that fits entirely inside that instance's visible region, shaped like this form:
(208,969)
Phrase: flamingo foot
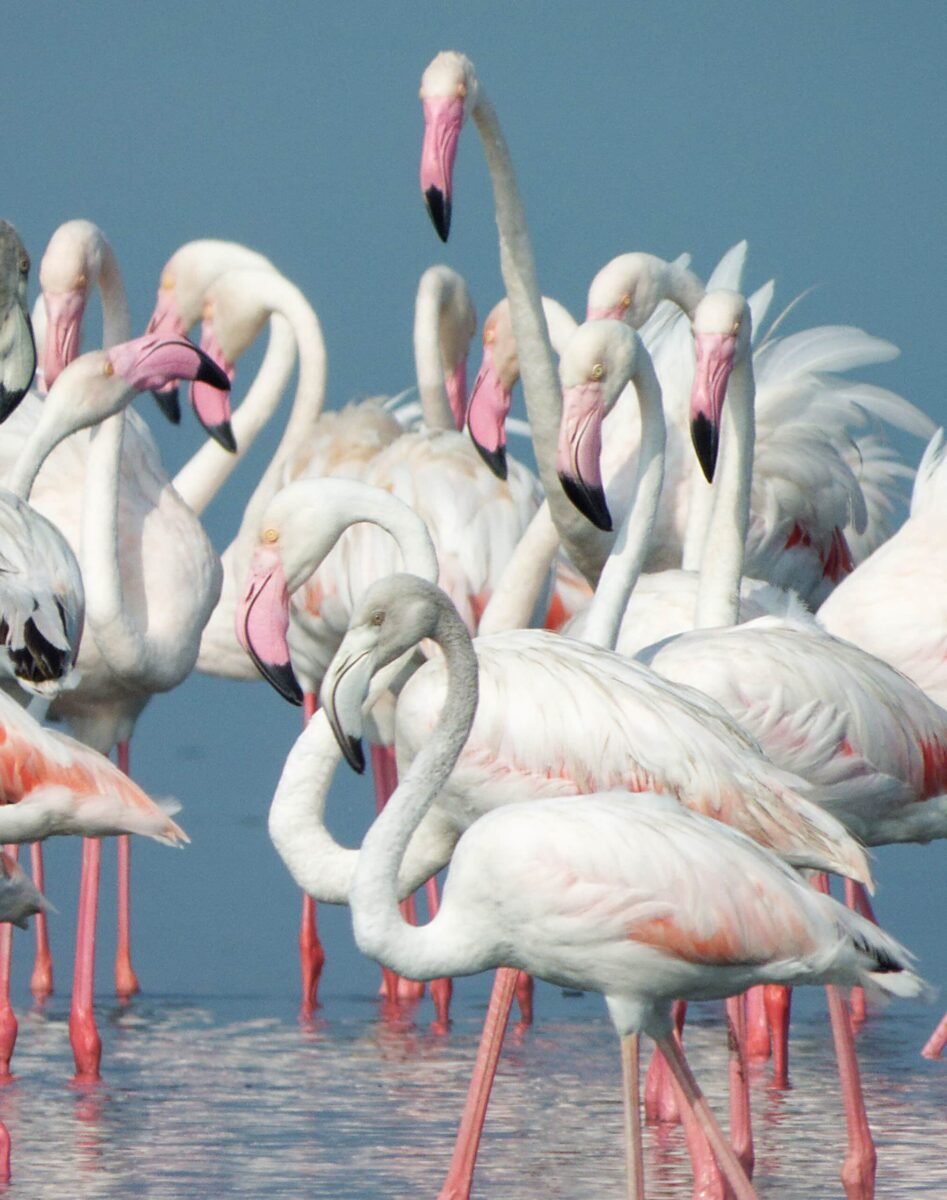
(934,1046)
(312,958)
(86,1047)
(525,987)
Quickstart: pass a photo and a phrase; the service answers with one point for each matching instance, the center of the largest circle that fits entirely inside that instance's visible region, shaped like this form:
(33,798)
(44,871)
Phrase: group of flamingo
(696,644)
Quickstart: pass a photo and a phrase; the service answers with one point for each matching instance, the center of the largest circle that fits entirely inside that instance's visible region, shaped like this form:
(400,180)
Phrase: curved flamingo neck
(116,321)
(721,569)
(515,598)
(380,930)
(586,546)
(205,473)
(621,571)
(429,309)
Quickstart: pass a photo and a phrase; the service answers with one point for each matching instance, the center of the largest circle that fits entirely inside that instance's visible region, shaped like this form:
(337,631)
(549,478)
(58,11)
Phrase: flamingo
(17,347)
(641,902)
(893,606)
(636,739)
(121,665)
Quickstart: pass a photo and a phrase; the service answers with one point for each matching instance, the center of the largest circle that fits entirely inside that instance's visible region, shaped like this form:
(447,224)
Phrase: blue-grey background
(815,131)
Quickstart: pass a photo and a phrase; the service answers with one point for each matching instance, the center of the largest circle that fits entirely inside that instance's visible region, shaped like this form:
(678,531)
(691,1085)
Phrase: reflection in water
(214,1099)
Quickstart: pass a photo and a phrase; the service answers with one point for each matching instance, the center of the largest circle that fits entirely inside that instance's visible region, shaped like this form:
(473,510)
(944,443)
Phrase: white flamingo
(642,902)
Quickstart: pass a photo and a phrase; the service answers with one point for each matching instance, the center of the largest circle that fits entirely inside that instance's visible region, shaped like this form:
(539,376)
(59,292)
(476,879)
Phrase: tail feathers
(887,966)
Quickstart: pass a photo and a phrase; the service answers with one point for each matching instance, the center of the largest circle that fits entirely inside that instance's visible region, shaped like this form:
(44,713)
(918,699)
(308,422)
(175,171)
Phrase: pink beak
(64,312)
(714,363)
(486,417)
(211,405)
(262,620)
(578,460)
(443,119)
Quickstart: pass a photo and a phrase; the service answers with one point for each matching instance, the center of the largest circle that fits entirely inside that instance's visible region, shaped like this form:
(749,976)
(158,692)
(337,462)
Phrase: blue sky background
(815,131)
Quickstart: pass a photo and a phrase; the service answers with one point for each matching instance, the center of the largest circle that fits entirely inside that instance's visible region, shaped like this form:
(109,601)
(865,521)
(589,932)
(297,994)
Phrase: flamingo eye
(108,369)
(597,372)
(377,617)
(270,536)
(736,328)
(626,301)
(461,89)
(25,265)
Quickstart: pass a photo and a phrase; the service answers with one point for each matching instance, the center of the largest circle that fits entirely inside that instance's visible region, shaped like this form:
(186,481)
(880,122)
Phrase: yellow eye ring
(270,536)
(597,372)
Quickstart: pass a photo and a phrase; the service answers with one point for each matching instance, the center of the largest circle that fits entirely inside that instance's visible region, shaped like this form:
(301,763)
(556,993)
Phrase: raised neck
(116,322)
(429,310)
(585,545)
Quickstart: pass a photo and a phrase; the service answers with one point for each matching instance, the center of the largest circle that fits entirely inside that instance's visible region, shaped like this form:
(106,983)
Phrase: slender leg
(126,981)
(460,1174)
(856,898)
(858,1168)
(634,1151)
(757,1032)
(741,1130)
(4,1154)
(8,1022)
(441,989)
(933,1047)
(41,981)
(777,1001)
(660,1100)
(311,954)
(86,1044)
(525,987)
(695,1101)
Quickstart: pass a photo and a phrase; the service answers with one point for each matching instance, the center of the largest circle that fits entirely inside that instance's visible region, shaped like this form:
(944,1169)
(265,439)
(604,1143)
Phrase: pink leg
(757,1026)
(4,1154)
(858,1169)
(693,1100)
(86,1044)
(460,1174)
(8,1023)
(741,1131)
(441,989)
(856,898)
(41,981)
(634,1151)
(525,988)
(660,1099)
(126,981)
(777,1001)
(312,956)
(934,1046)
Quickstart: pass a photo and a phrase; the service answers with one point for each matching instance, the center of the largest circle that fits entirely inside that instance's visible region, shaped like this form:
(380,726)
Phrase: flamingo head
(68,272)
(492,395)
(392,616)
(262,616)
(448,92)
(19,898)
(722,329)
(596,364)
(629,289)
(17,347)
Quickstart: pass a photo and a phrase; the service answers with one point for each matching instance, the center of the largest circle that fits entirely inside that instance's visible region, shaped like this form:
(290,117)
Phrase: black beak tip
(495,459)
(9,399)
(281,676)
(705,436)
(209,372)
(590,501)
(223,435)
(170,404)
(439,210)
(354,753)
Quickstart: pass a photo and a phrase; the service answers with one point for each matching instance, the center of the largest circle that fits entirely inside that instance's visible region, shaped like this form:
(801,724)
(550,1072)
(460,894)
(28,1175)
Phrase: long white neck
(116,322)
(586,546)
(205,473)
(428,357)
(718,597)
(514,601)
(380,929)
(317,862)
(621,571)
(684,288)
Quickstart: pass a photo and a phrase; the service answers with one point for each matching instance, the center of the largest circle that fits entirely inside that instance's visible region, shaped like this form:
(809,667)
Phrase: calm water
(233,1097)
